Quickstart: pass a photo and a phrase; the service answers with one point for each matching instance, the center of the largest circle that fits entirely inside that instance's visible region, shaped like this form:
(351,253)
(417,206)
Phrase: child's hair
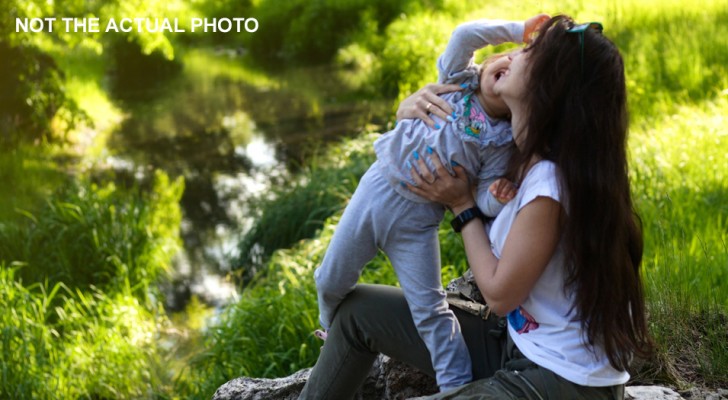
(576,101)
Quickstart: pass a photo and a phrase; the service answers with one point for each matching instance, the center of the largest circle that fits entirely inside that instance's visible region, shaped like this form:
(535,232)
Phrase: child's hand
(532,24)
(503,190)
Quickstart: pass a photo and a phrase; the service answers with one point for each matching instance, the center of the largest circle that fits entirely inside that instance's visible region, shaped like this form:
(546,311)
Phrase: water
(226,129)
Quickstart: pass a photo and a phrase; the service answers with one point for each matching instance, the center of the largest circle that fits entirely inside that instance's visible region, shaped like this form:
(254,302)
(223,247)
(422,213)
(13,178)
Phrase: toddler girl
(383,214)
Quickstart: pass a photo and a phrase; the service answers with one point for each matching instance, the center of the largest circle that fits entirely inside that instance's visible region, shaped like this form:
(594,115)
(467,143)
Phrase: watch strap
(466,216)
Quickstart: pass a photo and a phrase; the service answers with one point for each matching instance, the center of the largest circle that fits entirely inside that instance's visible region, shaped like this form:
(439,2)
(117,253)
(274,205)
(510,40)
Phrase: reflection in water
(225,129)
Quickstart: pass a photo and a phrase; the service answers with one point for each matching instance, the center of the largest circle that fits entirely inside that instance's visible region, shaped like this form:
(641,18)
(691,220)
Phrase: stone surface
(696,393)
(286,388)
(651,393)
(393,380)
(388,380)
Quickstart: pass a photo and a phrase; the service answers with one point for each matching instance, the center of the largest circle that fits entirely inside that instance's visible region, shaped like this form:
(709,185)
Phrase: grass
(88,236)
(679,165)
(81,316)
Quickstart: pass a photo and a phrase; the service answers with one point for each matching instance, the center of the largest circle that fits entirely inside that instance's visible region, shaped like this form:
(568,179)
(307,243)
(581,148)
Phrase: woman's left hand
(452,191)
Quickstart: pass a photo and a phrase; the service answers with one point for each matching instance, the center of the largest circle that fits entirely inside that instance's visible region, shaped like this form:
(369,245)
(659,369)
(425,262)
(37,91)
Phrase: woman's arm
(530,244)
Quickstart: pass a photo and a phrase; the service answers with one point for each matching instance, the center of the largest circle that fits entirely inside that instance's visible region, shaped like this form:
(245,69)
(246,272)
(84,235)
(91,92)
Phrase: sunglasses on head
(580,29)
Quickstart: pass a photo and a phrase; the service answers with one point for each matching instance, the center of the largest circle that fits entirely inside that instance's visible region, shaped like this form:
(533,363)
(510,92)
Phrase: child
(383,214)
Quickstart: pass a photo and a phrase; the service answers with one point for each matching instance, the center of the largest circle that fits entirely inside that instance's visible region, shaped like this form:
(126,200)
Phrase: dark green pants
(375,319)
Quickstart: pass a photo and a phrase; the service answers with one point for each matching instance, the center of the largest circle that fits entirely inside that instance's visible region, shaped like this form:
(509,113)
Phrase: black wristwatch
(466,216)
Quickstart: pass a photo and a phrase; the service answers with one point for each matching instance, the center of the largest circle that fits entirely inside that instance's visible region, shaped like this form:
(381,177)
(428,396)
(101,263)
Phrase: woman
(562,259)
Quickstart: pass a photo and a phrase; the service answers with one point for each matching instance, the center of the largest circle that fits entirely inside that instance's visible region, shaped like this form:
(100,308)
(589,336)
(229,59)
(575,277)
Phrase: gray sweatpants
(377,217)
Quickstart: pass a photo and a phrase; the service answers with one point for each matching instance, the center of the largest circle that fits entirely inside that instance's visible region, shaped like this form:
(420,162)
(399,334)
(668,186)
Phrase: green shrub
(32,95)
(310,32)
(99,236)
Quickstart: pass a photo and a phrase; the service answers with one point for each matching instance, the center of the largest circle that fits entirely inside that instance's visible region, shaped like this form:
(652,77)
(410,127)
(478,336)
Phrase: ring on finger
(428,107)
(434,178)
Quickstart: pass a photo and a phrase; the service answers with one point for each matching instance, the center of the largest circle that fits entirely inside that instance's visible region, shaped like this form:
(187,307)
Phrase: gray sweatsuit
(383,214)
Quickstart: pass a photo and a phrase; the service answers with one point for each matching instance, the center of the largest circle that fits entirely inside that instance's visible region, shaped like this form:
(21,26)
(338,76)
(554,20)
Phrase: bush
(31,95)
(99,236)
(310,32)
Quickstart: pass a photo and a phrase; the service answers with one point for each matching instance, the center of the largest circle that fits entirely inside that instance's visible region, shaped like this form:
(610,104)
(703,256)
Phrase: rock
(651,393)
(287,388)
(388,380)
(698,393)
(392,380)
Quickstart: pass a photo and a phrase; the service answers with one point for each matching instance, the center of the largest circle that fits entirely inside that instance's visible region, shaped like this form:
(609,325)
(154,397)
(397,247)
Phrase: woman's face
(512,85)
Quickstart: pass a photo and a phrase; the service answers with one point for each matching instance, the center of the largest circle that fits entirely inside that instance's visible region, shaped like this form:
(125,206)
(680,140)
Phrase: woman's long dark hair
(577,118)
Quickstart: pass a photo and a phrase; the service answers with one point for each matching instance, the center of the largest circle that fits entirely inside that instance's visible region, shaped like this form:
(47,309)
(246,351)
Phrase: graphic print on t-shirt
(522,321)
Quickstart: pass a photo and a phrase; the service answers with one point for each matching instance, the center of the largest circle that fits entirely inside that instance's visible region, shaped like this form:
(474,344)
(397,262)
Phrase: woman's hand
(426,101)
(452,191)
(532,25)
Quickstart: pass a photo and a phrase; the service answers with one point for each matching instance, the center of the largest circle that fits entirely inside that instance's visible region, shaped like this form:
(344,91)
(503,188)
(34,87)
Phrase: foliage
(33,176)
(60,343)
(674,54)
(32,88)
(309,32)
(89,236)
(406,67)
(296,210)
(34,106)
(78,293)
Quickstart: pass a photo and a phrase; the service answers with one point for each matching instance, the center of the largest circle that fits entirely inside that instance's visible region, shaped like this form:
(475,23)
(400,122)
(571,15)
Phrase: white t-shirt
(543,327)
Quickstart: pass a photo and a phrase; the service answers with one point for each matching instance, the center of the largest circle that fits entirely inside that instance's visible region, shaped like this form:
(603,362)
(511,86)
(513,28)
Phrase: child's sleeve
(456,64)
(494,167)
(487,203)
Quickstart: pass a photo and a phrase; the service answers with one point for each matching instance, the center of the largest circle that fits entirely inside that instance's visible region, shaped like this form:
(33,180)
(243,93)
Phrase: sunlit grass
(680,171)
(59,343)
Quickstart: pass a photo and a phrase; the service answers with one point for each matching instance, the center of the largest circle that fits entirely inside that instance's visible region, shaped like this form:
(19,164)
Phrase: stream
(226,128)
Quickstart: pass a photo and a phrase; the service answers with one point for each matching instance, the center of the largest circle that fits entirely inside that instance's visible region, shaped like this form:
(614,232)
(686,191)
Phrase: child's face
(492,72)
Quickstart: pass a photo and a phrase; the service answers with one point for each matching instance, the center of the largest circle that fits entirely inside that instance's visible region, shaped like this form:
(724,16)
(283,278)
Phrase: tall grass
(59,343)
(28,175)
(80,308)
(679,169)
(98,236)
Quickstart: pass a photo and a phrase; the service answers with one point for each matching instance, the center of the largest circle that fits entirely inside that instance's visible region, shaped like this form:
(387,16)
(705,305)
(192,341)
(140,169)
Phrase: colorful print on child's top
(522,321)
(472,121)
